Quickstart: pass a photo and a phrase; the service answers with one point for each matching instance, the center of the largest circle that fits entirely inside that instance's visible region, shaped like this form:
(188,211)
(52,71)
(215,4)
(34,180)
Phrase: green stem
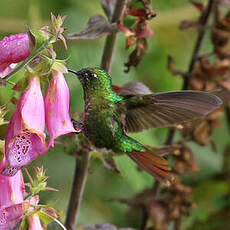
(81,171)
(81,167)
(203,23)
(111,39)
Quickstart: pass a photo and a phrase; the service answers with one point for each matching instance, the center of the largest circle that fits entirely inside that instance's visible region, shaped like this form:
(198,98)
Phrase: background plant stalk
(80,175)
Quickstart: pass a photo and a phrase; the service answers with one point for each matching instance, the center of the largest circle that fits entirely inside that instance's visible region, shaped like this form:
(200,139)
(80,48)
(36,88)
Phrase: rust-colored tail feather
(155,165)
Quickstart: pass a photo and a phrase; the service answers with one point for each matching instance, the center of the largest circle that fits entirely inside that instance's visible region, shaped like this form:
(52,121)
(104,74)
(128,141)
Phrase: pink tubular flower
(13,49)
(12,206)
(12,188)
(10,216)
(25,137)
(58,120)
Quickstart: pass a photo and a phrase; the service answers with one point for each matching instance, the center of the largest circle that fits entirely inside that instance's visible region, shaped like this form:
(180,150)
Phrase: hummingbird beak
(77,72)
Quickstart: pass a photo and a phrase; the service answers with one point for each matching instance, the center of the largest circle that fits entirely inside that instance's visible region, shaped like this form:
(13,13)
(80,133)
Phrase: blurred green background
(103,185)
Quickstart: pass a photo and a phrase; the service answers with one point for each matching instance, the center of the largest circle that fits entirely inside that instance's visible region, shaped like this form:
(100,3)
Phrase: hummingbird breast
(102,126)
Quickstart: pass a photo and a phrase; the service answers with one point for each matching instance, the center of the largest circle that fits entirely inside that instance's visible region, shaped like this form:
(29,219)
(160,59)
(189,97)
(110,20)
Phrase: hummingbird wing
(132,88)
(139,112)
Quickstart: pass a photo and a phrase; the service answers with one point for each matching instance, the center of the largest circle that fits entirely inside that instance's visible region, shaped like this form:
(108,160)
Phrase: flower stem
(111,39)
(81,171)
(82,164)
(203,21)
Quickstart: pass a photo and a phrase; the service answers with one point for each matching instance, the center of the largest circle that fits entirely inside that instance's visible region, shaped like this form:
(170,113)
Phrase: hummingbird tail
(153,164)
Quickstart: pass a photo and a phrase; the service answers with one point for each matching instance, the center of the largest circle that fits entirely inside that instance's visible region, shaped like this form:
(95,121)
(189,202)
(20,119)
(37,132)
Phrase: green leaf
(39,37)
(45,218)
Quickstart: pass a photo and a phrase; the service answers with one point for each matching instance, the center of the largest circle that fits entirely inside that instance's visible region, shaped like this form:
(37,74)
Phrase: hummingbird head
(94,80)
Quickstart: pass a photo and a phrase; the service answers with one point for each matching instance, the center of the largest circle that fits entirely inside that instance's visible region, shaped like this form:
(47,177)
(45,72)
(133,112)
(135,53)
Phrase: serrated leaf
(48,215)
(50,212)
(39,37)
(108,7)
(45,218)
(96,27)
(31,37)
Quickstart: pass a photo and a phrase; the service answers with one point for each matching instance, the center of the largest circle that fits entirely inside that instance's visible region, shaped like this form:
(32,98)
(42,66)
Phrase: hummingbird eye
(91,75)
(94,75)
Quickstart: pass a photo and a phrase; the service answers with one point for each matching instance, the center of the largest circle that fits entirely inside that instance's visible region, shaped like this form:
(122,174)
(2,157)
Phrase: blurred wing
(132,88)
(139,112)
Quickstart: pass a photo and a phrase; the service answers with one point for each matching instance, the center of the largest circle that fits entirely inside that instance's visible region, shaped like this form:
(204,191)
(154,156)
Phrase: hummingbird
(111,112)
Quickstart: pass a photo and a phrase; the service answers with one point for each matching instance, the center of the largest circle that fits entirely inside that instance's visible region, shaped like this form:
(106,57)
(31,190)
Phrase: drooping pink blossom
(12,206)
(10,216)
(13,49)
(11,188)
(58,120)
(25,137)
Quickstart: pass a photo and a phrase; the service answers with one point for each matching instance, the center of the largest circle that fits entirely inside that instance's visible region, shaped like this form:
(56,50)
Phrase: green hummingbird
(109,116)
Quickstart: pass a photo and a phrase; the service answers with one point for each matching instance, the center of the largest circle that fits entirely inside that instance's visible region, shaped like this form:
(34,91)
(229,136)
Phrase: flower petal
(58,120)
(5,69)
(25,138)
(25,147)
(14,48)
(31,106)
(12,189)
(11,215)
(15,126)
(11,199)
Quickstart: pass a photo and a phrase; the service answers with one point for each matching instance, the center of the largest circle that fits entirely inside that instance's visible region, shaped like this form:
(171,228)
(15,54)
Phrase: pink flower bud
(13,49)
(25,137)
(34,222)
(58,120)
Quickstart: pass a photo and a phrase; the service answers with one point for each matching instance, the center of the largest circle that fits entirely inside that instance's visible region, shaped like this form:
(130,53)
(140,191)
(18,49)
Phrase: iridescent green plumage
(102,123)
(108,116)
